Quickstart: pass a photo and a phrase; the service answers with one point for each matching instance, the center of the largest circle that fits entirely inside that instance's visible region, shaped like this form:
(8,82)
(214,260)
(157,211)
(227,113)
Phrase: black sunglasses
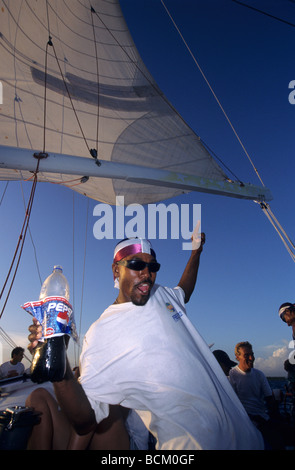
(139,265)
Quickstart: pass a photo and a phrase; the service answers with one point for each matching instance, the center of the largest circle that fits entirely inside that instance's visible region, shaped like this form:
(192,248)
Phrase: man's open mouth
(144,287)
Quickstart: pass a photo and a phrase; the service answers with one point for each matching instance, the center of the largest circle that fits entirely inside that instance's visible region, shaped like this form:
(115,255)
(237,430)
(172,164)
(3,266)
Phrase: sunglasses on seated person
(139,265)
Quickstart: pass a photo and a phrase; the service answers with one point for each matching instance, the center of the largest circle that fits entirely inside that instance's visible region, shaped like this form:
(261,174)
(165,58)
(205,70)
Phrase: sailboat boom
(24,160)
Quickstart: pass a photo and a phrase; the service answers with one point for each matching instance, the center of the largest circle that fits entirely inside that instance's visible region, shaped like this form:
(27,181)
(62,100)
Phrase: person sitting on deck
(14,367)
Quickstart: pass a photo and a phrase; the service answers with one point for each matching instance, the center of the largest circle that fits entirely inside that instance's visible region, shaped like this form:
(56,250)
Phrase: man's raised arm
(190,273)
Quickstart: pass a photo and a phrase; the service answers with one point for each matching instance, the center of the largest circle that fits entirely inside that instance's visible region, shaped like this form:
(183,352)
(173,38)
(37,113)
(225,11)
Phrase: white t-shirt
(151,358)
(7,367)
(251,387)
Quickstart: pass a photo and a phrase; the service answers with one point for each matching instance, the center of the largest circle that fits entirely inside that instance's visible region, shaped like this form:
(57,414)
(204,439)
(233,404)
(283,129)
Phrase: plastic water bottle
(56,285)
(49,361)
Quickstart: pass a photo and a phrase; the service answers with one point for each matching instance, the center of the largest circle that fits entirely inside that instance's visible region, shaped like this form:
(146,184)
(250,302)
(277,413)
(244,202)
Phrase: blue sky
(245,271)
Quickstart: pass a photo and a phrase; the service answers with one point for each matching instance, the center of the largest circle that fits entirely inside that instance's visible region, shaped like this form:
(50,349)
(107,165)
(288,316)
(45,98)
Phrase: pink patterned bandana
(131,246)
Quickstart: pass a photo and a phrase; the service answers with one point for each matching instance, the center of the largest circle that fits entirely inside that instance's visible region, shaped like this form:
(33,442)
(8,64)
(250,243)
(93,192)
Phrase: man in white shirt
(144,354)
(14,367)
(254,391)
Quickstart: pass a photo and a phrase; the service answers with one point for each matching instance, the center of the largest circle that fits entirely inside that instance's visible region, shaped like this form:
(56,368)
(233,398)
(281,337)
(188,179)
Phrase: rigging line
(219,159)
(16,250)
(268,213)
(97,78)
(63,183)
(73,247)
(11,342)
(73,267)
(45,96)
(6,186)
(227,118)
(47,15)
(21,240)
(7,338)
(50,43)
(264,13)
(31,237)
(84,263)
(279,225)
(266,208)
(72,185)
(69,96)
(280,235)
(212,91)
(142,72)
(25,225)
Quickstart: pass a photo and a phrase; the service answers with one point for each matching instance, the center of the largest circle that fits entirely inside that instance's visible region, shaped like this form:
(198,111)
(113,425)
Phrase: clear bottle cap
(57,267)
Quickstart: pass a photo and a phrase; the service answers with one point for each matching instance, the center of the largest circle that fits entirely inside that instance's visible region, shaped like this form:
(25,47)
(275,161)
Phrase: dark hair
(286,306)
(289,305)
(17,350)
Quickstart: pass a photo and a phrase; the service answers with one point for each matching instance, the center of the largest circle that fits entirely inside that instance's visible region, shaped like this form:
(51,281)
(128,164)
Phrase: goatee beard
(141,301)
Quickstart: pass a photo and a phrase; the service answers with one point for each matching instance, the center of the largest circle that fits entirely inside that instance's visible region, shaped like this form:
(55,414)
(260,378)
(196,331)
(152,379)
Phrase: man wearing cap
(224,361)
(287,314)
(144,354)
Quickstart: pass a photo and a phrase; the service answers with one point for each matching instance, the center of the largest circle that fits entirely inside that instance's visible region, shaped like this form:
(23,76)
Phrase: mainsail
(76,90)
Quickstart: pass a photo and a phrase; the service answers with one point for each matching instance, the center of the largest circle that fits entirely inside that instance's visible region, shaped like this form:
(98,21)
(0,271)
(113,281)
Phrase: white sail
(99,95)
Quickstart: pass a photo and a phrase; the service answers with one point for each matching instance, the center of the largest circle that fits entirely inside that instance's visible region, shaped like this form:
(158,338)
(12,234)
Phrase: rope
(97,76)
(6,186)
(73,255)
(69,96)
(11,343)
(51,44)
(25,226)
(32,241)
(7,338)
(279,229)
(265,207)
(264,13)
(212,91)
(21,241)
(136,65)
(83,282)
(65,183)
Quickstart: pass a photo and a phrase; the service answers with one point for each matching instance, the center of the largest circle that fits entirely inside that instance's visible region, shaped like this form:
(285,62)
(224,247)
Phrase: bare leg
(53,431)
(111,433)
